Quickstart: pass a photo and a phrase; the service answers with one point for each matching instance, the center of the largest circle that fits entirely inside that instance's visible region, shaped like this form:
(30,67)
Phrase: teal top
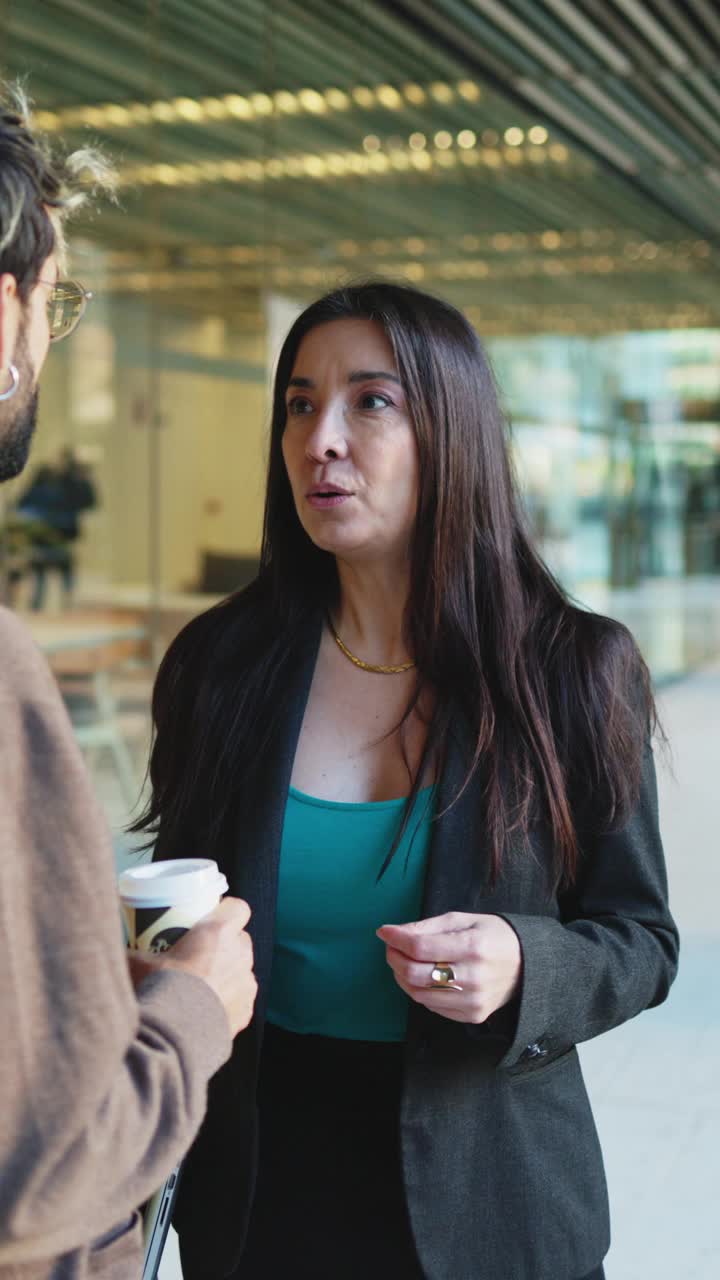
(330,976)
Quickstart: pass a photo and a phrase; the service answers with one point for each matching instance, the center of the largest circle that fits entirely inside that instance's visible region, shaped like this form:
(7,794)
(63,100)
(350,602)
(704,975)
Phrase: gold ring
(442,977)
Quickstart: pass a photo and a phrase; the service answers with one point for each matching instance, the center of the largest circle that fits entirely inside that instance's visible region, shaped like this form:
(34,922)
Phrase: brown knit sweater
(101,1091)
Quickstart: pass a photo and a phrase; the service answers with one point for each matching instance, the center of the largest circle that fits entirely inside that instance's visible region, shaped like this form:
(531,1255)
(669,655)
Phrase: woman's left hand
(483,950)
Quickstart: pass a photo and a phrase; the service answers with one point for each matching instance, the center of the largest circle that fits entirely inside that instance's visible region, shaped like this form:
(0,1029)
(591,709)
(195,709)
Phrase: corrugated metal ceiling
(549,164)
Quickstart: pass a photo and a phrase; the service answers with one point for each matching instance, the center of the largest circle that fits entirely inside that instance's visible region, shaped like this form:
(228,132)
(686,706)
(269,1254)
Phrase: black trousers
(329,1179)
(329,1174)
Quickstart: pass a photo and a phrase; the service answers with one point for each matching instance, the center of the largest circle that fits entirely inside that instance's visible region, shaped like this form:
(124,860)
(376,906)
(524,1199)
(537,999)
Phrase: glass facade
(618,447)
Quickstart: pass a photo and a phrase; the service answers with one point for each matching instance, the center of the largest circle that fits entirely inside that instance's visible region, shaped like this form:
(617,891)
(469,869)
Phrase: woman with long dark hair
(430,774)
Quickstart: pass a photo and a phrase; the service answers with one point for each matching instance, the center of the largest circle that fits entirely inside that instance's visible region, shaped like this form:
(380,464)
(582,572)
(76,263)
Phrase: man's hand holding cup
(175,920)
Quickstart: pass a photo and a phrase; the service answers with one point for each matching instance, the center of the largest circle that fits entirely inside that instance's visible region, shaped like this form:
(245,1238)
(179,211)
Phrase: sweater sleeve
(101,1091)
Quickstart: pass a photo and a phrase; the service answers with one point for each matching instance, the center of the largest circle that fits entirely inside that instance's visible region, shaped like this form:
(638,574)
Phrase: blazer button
(534,1050)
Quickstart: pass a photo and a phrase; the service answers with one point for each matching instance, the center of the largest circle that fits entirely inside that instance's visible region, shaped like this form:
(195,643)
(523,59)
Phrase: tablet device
(156,1222)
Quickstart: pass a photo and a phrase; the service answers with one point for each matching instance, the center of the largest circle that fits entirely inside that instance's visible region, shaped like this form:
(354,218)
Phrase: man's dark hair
(34,181)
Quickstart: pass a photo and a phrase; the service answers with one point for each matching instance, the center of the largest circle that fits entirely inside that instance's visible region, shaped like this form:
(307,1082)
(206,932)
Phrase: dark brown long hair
(556,700)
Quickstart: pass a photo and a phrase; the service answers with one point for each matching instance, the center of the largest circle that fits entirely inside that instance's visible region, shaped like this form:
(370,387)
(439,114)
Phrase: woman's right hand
(219,950)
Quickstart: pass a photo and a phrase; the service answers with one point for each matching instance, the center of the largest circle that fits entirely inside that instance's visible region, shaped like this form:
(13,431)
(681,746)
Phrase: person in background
(103,1070)
(431,775)
(54,501)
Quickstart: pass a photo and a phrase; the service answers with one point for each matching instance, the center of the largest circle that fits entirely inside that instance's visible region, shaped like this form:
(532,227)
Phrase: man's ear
(10,314)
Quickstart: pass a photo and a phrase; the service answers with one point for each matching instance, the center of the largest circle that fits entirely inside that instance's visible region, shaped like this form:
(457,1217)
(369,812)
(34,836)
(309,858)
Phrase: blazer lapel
(458,871)
(254,875)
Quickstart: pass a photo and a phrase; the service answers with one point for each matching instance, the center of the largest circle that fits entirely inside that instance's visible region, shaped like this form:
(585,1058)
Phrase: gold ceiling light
(189,109)
(389,97)
(501,242)
(678,254)
(286,102)
(414,93)
(118,117)
(246,267)
(446,153)
(315,167)
(312,101)
(363,96)
(262,104)
(336,164)
(214,108)
(337,99)
(442,92)
(265,269)
(238,106)
(254,106)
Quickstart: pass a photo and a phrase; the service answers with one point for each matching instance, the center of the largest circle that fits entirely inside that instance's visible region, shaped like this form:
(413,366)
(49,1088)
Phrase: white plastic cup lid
(178,882)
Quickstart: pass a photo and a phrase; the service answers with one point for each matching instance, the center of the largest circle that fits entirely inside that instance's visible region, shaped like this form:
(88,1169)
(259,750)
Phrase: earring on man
(14,384)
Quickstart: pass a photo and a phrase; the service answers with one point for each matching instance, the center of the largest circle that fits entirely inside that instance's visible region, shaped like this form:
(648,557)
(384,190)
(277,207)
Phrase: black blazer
(502,1167)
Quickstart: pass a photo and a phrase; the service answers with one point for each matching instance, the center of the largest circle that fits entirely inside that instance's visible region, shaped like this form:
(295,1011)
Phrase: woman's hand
(483,950)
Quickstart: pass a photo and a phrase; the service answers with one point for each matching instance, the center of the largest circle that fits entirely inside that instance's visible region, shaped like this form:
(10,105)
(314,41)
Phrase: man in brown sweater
(103,1077)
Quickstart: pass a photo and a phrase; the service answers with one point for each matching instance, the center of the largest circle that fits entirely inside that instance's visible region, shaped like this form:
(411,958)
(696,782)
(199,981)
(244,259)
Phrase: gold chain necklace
(368,666)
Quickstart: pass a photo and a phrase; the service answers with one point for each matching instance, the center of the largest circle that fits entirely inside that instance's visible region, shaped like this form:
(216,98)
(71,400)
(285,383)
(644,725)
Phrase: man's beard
(18,418)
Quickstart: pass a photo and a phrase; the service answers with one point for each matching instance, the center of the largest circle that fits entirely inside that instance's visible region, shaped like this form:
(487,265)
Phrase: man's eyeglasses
(66,305)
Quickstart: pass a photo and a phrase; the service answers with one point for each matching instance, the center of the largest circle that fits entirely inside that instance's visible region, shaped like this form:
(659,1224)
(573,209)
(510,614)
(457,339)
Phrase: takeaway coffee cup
(162,900)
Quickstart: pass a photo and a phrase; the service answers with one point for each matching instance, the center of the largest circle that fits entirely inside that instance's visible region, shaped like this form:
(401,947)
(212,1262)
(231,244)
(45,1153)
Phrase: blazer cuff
(532,1039)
